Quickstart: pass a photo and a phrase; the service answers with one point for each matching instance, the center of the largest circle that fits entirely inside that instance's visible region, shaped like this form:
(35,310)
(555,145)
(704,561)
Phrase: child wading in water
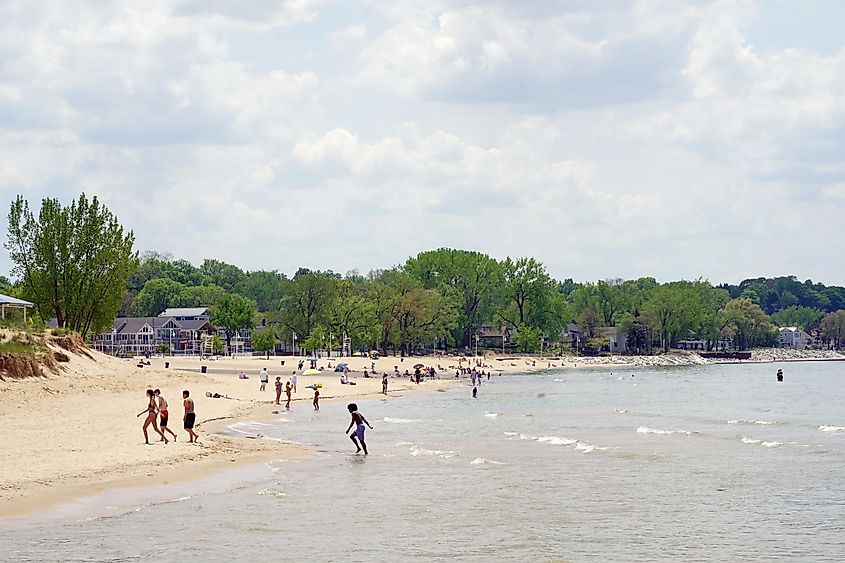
(358,421)
(316,399)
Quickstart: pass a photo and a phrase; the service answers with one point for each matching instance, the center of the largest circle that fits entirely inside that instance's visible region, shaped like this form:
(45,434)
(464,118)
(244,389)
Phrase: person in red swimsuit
(165,415)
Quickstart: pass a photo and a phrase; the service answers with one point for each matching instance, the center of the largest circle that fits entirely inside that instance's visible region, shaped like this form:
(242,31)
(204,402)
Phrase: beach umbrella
(311,372)
(419,366)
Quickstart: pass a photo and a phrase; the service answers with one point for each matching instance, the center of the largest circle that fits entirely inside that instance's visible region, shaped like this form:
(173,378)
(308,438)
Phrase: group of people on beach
(157,407)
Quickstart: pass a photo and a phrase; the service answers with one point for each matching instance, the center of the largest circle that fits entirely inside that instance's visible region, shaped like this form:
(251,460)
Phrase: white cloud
(607,138)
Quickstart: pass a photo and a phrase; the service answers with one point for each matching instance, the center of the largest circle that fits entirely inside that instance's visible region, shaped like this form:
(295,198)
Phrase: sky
(606,138)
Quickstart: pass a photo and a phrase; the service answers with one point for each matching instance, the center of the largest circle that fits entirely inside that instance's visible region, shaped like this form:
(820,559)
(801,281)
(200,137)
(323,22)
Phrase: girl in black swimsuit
(151,411)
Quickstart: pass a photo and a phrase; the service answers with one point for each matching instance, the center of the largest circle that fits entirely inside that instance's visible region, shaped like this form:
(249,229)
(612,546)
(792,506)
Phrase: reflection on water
(701,463)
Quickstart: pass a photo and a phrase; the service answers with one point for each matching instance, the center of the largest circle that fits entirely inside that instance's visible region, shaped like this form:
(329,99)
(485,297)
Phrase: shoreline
(158,465)
(73,476)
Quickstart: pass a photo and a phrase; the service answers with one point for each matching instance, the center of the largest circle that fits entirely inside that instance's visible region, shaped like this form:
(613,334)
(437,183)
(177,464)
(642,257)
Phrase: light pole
(503,342)
(294,344)
(476,345)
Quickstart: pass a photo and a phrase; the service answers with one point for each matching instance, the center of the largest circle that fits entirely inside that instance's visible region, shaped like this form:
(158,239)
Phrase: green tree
(233,313)
(672,311)
(199,296)
(74,262)
(315,341)
(157,295)
(528,339)
(264,340)
(832,328)
(530,297)
(227,276)
(803,317)
(306,302)
(469,278)
(746,322)
(265,288)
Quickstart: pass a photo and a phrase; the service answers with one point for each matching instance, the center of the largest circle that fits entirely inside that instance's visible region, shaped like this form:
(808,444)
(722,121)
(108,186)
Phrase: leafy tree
(529,297)
(233,313)
(671,311)
(803,317)
(74,262)
(832,328)
(315,341)
(200,296)
(308,297)
(746,322)
(528,339)
(634,325)
(265,288)
(157,295)
(469,278)
(350,313)
(225,275)
(264,340)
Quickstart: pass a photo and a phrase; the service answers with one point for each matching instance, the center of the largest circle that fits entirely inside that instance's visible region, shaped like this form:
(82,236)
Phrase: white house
(794,337)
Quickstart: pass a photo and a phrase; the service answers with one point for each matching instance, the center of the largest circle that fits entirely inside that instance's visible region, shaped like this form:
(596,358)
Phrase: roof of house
(790,328)
(132,325)
(6,300)
(184,312)
(194,324)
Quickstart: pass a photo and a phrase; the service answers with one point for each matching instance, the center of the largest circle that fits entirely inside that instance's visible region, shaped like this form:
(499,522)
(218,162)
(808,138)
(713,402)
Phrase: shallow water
(696,463)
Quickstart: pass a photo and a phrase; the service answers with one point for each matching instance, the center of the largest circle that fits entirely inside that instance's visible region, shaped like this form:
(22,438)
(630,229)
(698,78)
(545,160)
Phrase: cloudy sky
(606,138)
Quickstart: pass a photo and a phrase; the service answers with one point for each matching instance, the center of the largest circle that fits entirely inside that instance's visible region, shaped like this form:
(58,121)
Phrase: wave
(647,430)
(482,461)
(764,443)
(828,428)
(401,420)
(620,411)
(760,422)
(580,446)
(491,414)
(442,454)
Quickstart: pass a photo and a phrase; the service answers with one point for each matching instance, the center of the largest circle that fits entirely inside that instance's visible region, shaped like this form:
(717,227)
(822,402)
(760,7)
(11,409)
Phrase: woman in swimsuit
(151,412)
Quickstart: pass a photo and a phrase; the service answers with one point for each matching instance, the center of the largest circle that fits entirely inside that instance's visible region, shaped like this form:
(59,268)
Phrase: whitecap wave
(400,420)
(829,428)
(442,454)
(620,411)
(647,430)
(771,444)
(491,414)
(747,440)
(483,461)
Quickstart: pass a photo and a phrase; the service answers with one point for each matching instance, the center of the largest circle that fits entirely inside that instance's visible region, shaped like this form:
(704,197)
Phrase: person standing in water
(190,416)
(165,414)
(316,402)
(474,392)
(780,375)
(278,389)
(287,393)
(151,417)
(384,384)
(358,421)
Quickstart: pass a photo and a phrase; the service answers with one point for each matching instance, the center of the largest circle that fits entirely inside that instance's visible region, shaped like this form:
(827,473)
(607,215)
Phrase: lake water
(707,463)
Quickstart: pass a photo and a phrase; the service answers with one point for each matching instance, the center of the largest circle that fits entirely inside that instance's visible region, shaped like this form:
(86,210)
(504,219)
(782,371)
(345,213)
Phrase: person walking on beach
(287,392)
(293,382)
(384,384)
(151,417)
(190,416)
(264,377)
(165,414)
(316,402)
(780,375)
(278,389)
(358,421)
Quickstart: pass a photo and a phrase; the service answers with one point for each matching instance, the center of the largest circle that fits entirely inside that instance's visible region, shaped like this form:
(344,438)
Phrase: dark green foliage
(73,262)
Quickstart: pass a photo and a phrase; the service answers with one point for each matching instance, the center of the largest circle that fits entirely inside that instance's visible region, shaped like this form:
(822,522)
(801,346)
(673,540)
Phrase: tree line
(79,266)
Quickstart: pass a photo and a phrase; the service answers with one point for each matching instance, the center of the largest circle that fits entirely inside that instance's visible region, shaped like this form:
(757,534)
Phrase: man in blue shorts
(358,421)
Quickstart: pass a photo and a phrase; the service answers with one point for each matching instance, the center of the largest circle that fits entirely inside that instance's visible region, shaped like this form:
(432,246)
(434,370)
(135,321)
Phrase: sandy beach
(75,433)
